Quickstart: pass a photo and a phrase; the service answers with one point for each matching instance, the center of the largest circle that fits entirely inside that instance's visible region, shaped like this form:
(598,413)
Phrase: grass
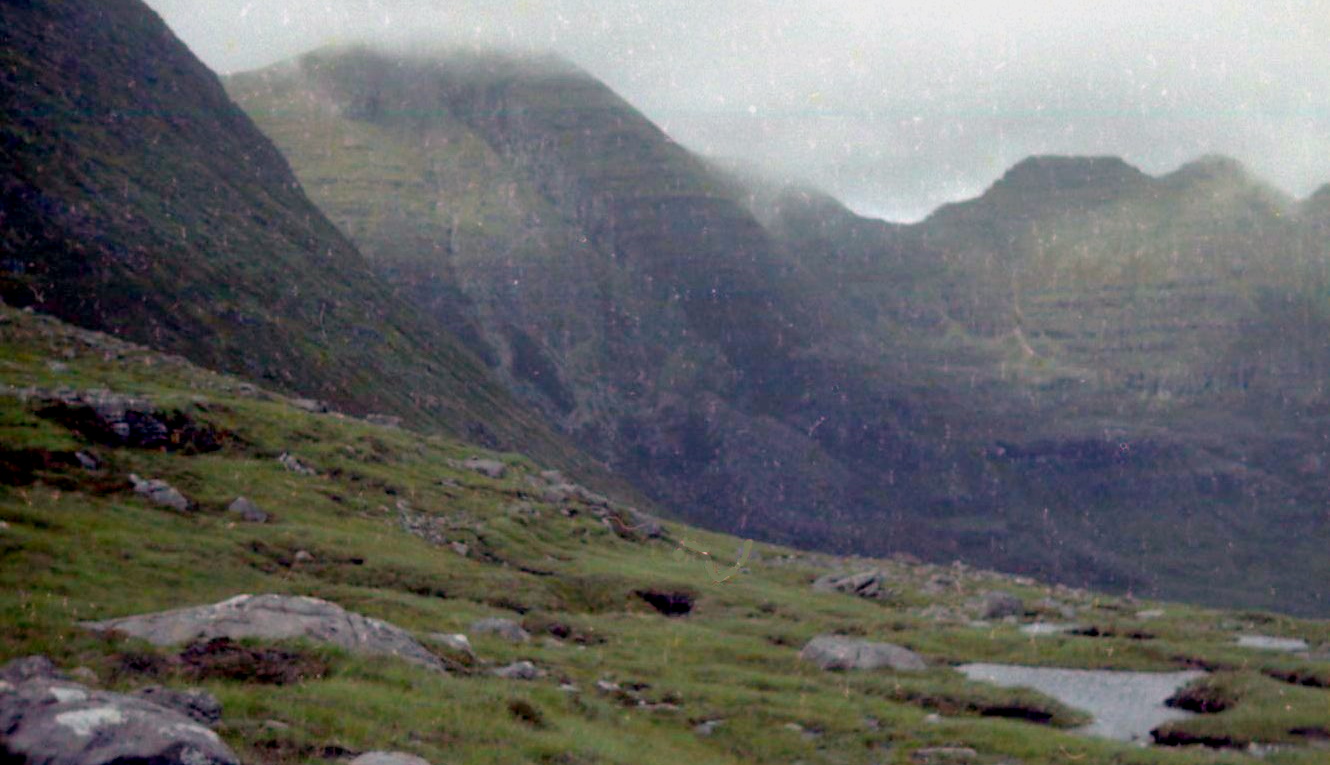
(79,545)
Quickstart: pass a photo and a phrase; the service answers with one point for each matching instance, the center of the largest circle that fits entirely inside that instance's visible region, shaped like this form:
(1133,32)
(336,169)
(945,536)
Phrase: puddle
(1048,628)
(1126,705)
(1268,643)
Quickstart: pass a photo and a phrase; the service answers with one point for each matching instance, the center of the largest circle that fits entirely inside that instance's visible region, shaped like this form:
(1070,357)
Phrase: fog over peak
(893,107)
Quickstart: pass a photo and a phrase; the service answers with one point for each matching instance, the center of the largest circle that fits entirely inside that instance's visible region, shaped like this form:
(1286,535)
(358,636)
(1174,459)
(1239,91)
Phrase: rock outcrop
(273,617)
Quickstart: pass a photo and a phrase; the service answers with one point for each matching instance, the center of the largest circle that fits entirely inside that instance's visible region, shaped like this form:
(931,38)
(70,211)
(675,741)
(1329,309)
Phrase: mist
(895,108)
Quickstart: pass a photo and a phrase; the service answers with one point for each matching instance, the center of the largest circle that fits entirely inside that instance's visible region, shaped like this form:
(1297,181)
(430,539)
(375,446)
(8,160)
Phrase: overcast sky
(895,107)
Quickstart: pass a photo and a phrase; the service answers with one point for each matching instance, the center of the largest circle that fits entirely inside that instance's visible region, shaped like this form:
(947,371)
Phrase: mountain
(1058,377)
(611,277)
(139,200)
(614,649)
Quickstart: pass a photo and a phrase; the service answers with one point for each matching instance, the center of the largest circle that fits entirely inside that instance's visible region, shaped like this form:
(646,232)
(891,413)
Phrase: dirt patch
(224,659)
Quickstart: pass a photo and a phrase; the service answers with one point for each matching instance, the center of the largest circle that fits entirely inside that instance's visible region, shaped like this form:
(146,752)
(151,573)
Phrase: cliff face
(138,199)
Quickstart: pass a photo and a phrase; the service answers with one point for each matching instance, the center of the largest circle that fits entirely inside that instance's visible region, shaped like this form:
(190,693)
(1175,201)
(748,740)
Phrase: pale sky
(894,107)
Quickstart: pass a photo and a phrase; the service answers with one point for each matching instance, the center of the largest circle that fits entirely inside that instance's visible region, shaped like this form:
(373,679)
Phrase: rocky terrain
(381,593)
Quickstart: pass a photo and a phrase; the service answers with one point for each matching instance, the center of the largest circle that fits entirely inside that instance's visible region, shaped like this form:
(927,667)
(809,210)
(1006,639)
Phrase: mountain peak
(1212,167)
(1066,173)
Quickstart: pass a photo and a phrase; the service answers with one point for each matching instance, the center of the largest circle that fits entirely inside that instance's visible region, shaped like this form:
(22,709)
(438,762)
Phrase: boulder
(48,720)
(384,420)
(865,584)
(389,758)
(160,492)
(273,617)
(833,652)
(248,511)
(456,642)
(520,670)
(504,628)
(196,704)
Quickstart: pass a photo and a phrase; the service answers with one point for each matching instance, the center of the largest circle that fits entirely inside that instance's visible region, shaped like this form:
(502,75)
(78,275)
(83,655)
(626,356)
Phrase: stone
(51,721)
(457,642)
(389,758)
(88,461)
(196,704)
(84,675)
(707,727)
(865,584)
(384,420)
(293,464)
(273,617)
(304,556)
(505,628)
(248,511)
(835,652)
(997,605)
(160,492)
(519,670)
(945,755)
(486,467)
(309,405)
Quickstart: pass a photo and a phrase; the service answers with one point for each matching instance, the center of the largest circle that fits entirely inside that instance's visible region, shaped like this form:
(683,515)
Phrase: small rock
(945,755)
(58,367)
(487,467)
(160,493)
(88,461)
(309,405)
(607,686)
(1152,613)
(520,670)
(198,705)
(460,548)
(248,511)
(28,668)
(933,718)
(389,758)
(4,525)
(505,628)
(707,727)
(293,464)
(866,584)
(304,556)
(457,642)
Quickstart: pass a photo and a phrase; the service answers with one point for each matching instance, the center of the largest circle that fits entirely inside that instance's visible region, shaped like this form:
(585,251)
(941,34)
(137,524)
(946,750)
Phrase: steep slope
(612,278)
(139,200)
(393,525)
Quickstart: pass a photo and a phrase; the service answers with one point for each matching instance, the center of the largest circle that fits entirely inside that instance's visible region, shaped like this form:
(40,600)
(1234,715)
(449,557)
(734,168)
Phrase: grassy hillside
(139,200)
(380,516)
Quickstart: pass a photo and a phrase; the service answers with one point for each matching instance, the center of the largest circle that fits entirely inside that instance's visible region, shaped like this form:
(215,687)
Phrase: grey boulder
(486,467)
(48,720)
(504,628)
(999,605)
(837,652)
(521,670)
(248,511)
(273,617)
(160,493)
